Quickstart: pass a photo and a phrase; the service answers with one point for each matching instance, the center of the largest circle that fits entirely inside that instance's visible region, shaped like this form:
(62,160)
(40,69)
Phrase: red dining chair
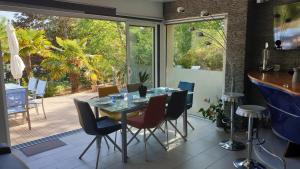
(152,117)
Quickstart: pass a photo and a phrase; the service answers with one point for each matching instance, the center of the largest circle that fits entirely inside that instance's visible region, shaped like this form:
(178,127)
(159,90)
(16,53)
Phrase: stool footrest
(244,163)
(232,145)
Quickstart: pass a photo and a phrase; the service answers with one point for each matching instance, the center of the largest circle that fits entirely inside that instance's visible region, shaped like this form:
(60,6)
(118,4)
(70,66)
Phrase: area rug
(42,147)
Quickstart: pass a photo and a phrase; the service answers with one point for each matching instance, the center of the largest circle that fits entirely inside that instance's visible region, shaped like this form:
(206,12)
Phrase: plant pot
(219,121)
(142,91)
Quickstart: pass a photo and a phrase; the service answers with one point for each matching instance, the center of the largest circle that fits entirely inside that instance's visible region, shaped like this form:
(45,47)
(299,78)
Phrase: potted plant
(215,113)
(143,76)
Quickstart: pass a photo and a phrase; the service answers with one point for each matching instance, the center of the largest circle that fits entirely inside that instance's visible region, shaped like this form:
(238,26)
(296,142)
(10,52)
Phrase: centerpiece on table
(143,76)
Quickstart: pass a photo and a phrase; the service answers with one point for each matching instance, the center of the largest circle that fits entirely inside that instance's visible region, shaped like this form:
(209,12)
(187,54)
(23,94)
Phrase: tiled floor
(201,151)
(61,117)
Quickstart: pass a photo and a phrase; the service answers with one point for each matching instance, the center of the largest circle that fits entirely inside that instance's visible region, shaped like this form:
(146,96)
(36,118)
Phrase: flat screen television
(287,26)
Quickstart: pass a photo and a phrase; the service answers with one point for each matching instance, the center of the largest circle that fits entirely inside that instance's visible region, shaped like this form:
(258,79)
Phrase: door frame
(155,57)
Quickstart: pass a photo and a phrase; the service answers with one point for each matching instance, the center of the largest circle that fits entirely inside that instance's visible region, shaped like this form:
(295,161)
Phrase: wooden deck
(61,117)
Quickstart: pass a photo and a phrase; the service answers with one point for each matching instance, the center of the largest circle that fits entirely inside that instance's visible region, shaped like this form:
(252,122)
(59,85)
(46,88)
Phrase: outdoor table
(125,106)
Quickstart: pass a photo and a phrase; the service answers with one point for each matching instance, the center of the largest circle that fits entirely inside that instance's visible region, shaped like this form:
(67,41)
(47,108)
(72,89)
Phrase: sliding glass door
(140,53)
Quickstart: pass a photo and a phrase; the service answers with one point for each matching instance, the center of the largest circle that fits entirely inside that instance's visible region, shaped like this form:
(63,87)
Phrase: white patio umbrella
(16,63)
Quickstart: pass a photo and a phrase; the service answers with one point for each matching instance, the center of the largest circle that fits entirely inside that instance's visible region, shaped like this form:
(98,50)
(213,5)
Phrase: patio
(61,117)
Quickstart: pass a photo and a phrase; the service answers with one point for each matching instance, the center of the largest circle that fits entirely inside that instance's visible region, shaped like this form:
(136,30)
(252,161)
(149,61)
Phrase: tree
(108,39)
(28,20)
(68,59)
(3,39)
(32,42)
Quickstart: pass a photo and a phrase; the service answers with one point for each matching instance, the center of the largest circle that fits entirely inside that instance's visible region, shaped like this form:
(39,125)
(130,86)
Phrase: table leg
(124,137)
(96,112)
(185,123)
(97,116)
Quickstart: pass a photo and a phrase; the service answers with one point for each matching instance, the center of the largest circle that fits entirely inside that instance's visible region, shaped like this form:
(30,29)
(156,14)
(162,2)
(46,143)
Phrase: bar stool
(231,144)
(250,111)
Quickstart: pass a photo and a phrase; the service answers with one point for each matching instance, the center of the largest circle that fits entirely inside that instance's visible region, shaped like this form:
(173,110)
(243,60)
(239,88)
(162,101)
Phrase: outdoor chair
(152,117)
(189,101)
(38,97)
(133,87)
(100,128)
(104,92)
(17,102)
(32,85)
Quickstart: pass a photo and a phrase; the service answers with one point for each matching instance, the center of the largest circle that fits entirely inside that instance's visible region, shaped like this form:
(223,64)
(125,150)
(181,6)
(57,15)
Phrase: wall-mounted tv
(287,26)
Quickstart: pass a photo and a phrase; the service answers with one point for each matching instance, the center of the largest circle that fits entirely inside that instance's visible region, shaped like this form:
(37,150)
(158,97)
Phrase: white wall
(208,84)
(138,8)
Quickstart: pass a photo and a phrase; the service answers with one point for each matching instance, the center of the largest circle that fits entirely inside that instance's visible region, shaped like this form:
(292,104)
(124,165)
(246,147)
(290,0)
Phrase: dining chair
(100,128)
(176,107)
(106,91)
(152,117)
(17,102)
(133,87)
(189,101)
(32,84)
(38,97)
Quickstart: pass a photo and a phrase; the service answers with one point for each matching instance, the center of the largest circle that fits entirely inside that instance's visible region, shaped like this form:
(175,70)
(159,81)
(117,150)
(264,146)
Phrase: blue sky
(8,15)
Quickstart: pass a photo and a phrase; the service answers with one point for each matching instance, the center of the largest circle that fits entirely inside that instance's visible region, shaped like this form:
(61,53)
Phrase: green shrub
(56,88)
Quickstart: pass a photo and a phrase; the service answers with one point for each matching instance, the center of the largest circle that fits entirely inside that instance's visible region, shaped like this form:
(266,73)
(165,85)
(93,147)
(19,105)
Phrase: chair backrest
(176,104)
(16,98)
(86,117)
(133,87)
(155,111)
(32,84)
(41,88)
(105,91)
(189,87)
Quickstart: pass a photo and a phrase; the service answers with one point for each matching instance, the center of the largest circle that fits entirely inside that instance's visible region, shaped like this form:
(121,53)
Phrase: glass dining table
(130,102)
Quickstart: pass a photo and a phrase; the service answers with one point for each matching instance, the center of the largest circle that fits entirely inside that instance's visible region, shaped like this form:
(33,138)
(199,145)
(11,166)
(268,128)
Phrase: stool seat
(253,111)
(232,97)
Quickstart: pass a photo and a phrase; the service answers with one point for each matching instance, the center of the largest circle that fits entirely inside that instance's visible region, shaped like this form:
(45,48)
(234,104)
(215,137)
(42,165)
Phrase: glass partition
(141,53)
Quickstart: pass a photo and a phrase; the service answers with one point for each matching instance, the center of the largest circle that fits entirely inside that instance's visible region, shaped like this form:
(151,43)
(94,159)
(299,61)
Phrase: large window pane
(197,45)
(141,53)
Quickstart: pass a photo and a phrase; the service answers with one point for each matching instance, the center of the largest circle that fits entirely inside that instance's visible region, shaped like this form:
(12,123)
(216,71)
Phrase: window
(197,45)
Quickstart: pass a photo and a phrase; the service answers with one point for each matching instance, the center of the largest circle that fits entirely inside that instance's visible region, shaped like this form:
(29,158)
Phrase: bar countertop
(279,80)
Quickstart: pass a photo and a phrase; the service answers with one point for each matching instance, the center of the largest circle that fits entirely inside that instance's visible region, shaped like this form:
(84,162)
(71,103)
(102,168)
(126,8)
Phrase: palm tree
(32,42)
(68,59)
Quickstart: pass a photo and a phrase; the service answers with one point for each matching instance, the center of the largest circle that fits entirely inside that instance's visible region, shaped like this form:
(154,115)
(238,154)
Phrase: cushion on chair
(106,126)
(117,116)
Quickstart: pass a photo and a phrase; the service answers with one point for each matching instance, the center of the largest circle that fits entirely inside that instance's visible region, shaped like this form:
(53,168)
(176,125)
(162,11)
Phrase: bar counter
(283,100)
(280,80)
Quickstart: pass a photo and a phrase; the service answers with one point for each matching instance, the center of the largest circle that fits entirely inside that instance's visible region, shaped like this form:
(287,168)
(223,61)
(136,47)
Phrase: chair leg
(190,125)
(44,109)
(145,145)
(106,142)
(99,148)
(176,127)
(28,119)
(115,144)
(37,109)
(177,130)
(133,137)
(151,133)
(167,133)
(116,135)
(86,149)
(130,131)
